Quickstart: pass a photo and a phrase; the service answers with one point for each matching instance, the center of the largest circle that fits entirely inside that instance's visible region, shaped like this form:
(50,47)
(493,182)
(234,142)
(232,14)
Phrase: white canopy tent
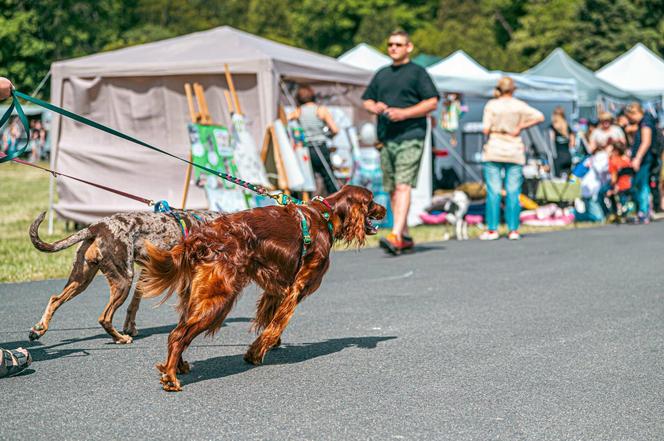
(459,64)
(460,73)
(140,91)
(639,70)
(365,57)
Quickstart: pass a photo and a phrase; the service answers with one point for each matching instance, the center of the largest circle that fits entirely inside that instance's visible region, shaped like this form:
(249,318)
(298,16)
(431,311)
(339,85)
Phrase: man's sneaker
(408,243)
(392,244)
(514,235)
(489,235)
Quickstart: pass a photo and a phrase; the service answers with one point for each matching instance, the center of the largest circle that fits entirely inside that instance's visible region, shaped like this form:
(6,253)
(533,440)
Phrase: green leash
(24,121)
(282,198)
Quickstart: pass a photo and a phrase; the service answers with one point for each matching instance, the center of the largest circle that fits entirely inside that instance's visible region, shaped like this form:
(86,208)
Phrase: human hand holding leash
(6,87)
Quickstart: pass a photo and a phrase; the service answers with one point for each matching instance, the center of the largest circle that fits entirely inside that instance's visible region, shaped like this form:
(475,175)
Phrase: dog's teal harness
(163,207)
(306,235)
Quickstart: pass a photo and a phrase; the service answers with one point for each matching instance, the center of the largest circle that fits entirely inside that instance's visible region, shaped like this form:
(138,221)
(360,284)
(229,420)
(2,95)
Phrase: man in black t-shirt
(401,95)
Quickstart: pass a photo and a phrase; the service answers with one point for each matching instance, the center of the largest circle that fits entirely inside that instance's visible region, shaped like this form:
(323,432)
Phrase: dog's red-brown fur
(210,268)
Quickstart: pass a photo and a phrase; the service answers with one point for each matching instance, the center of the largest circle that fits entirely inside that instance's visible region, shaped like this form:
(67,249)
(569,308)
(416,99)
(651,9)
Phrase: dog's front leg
(271,335)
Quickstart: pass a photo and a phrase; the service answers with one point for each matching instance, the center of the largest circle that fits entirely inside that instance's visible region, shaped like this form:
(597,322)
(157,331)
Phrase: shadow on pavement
(418,249)
(41,352)
(227,365)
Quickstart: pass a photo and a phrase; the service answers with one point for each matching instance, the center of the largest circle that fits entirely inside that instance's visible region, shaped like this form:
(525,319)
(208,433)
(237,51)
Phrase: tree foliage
(500,34)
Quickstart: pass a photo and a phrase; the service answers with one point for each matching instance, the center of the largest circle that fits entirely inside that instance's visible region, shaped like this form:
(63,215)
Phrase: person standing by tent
(314,120)
(643,158)
(504,153)
(563,140)
(606,134)
(401,95)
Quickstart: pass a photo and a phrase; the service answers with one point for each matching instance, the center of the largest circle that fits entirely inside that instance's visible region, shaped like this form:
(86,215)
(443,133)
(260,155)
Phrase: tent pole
(195,117)
(55,149)
(473,174)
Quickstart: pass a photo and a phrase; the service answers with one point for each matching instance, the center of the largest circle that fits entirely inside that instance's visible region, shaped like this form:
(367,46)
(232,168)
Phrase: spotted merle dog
(111,246)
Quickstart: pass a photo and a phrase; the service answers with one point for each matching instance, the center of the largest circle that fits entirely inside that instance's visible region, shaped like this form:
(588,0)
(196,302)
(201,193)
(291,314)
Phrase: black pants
(319,166)
(563,162)
(654,185)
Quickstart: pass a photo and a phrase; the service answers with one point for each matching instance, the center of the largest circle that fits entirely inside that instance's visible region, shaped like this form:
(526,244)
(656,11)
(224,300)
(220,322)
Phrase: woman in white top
(606,134)
(504,151)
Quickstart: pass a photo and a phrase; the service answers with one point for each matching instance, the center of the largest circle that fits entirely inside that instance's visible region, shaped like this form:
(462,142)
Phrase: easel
(269,139)
(202,116)
(267,153)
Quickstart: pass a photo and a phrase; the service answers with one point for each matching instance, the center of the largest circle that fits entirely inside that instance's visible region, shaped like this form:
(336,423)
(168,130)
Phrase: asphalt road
(558,336)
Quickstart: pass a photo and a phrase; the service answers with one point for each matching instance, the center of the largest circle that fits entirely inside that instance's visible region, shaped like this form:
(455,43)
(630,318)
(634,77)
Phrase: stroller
(622,202)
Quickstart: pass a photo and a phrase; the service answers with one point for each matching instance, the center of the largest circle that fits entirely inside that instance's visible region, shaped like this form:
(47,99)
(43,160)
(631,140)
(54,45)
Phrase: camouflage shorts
(400,162)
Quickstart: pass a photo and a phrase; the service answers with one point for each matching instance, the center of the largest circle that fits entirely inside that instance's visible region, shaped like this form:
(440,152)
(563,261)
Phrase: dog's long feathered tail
(164,270)
(60,244)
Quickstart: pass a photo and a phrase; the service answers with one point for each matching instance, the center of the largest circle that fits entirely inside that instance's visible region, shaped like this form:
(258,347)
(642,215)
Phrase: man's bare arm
(423,108)
(374,107)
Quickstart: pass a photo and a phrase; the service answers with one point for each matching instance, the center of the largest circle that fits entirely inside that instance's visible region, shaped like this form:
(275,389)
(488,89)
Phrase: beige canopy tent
(140,91)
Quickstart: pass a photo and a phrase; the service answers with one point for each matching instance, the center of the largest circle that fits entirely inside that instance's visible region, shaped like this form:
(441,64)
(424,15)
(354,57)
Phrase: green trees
(500,34)
(594,32)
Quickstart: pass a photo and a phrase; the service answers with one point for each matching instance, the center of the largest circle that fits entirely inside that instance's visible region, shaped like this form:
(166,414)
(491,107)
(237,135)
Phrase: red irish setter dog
(265,245)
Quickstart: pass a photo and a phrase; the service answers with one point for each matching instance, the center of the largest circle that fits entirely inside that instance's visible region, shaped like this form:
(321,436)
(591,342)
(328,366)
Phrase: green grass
(24,194)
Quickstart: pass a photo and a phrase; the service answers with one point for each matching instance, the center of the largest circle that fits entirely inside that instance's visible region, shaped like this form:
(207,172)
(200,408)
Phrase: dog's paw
(123,340)
(132,331)
(252,358)
(170,383)
(172,387)
(36,332)
(183,367)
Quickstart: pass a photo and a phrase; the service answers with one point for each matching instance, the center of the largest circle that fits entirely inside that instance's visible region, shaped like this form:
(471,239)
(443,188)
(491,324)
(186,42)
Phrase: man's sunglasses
(396,44)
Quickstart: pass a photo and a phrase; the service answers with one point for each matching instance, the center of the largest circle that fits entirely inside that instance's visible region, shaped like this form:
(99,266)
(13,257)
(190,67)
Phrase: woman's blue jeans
(494,183)
(641,186)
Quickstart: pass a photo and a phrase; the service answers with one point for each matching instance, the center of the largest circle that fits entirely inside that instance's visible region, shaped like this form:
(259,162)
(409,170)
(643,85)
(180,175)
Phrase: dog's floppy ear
(351,205)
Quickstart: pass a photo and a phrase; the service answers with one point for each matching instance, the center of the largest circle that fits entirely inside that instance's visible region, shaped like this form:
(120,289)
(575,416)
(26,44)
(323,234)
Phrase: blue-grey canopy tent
(591,89)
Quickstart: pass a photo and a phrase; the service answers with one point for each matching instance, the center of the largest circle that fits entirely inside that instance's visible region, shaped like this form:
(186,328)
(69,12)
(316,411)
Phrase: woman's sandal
(13,362)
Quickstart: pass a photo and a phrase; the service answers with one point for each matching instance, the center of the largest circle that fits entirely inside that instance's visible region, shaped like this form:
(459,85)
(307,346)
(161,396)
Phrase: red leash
(149,202)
